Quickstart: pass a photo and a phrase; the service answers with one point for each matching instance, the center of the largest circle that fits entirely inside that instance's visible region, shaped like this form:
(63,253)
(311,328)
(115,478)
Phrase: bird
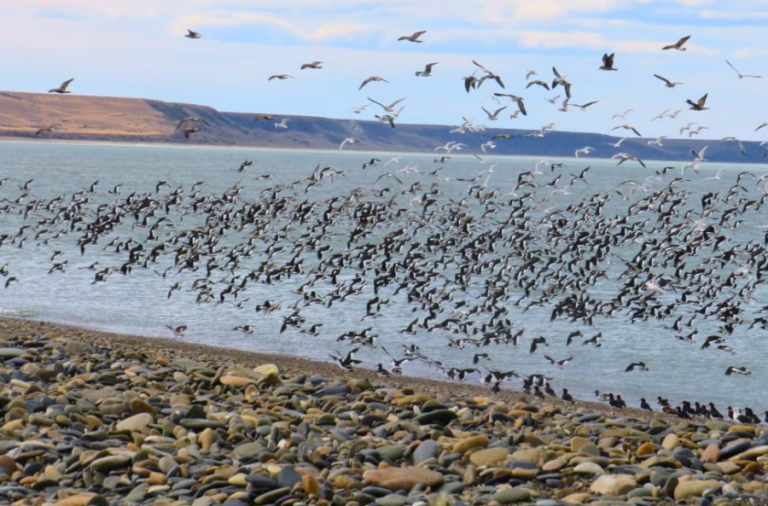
(371,80)
(191,118)
(677,45)
(190,130)
(737,370)
(530,73)
(281,77)
(348,140)
(617,144)
(495,115)
(347,362)
(538,83)
(46,129)
(657,142)
(283,124)
(515,98)
(644,405)
(623,115)
(698,105)
(761,125)
(314,65)
(414,37)
(667,82)
(63,88)
(387,108)
(608,62)
(624,157)
(191,34)
(583,151)
(427,72)
(636,366)
(627,127)
(742,76)
(559,363)
(584,106)
(263,117)
(177,331)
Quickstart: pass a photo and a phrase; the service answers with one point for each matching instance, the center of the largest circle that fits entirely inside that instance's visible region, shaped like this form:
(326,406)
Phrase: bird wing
(657,76)
(66,83)
(393,104)
(691,102)
(734,68)
(682,41)
(703,100)
(365,82)
(499,110)
(635,130)
(557,74)
(429,66)
(418,34)
(477,64)
(521,106)
(377,103)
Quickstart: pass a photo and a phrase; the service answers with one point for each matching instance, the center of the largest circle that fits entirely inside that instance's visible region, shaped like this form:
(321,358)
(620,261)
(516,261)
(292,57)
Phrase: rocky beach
(99,419)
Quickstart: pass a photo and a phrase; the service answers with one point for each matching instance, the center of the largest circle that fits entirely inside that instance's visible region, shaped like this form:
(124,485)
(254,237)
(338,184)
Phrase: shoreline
(299,365)
(101,419)
(192,145)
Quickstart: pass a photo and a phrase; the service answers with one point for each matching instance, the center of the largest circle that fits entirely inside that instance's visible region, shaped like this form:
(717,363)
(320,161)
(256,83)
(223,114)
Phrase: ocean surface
(138,303)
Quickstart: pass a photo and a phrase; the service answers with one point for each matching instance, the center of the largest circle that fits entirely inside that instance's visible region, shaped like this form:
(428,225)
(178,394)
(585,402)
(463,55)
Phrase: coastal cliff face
(111,119)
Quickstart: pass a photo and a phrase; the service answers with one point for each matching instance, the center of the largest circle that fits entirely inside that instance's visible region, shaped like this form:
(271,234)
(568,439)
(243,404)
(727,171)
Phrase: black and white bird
(636,366)
(737,370)
(347,362)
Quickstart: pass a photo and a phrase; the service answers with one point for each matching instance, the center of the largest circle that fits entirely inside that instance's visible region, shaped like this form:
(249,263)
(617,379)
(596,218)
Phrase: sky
(137,48)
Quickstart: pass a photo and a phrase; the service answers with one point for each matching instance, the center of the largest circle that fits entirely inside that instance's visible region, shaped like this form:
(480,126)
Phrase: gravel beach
(92,418)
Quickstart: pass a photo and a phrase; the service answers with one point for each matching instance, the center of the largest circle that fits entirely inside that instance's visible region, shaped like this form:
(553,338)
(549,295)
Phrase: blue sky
(136,48)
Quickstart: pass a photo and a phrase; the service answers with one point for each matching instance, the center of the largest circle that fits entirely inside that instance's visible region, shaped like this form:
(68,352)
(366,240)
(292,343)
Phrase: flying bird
(281,77)
(427,72)
(191,34)
(518,100)
(191,118)
(627,127)
(678,45)
(371,80)
(583,151)
(314,65)
(495,115)
(741,76)
(414,37)
(387,108)
(699,105)
(667,82)
(608,62)
(63,88)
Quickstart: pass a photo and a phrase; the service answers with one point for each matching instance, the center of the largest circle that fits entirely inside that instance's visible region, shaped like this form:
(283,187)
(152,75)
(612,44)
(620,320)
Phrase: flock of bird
(461,263)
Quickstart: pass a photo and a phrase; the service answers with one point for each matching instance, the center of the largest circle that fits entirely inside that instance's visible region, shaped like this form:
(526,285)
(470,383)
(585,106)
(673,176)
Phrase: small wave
(16,313)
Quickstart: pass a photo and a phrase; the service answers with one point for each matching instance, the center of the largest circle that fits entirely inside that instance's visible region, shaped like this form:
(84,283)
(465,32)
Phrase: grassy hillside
(141,120)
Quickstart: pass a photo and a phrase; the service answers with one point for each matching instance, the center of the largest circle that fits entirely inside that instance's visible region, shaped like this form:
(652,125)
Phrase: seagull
(737,370)
(741,76)
(281,77)
(386,118)
(371,80)
(678,45)
(177,331)
(624,114)
(625,157)
(584,106)
(387,108)
(737,141)
(314,65)
(696,131)
(718,174)
(62,88)
(553,100)
(540,83)
(559,79)
(530,73)
(583,151)
(359,110)
(762,125)
(698,106)
(414,37)
(487,145)
(661,115)
(657,142)
(519,100)
(46,129)
(191,34)
(348,140)
(495,115)
(608,62)
(616,145)
(283,123)
(191,118)
(427,72)
(190,130)
(627,127)
(667,82)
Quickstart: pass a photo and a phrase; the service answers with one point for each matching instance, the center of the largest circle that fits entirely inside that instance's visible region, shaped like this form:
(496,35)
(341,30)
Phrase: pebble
(154,426)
